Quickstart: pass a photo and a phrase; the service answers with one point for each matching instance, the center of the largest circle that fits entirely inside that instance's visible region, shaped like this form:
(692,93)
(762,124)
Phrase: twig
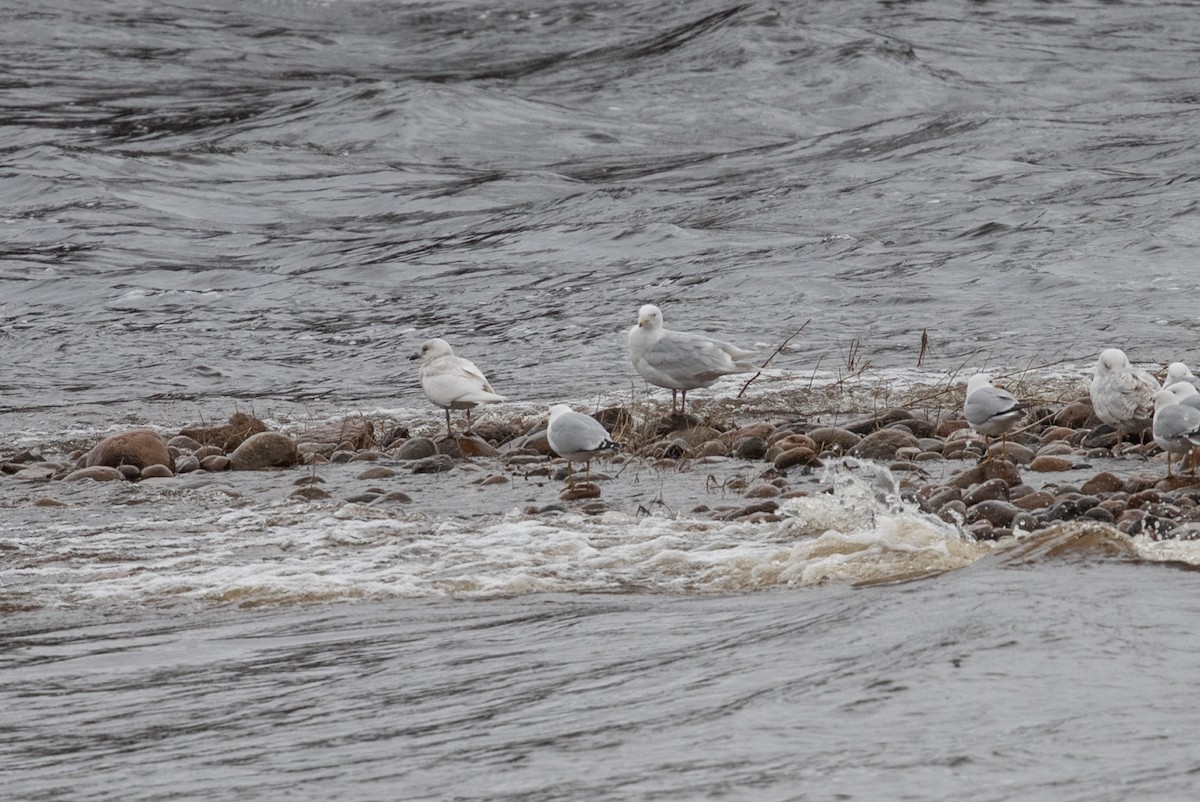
(767,361)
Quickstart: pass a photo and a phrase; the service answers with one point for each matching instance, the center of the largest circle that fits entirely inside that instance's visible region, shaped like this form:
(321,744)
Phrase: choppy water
(271,204)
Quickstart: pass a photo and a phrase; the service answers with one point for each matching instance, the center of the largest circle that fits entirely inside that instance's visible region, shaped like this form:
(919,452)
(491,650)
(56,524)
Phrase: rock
(995,512)
(34,474)
(263,451)
(157,472)
(763,491)
(1045,464)
(953,512)
(581,490)
(881,445)
(465,446)
(183,442)
(699,435)
(378,472)
(187,464)
(392,497)
(943,495)
(1026,522)
(1100,514)
(760,431)
(873,422)
(1039,500)
(1013,452)
(1103,437)
(97,473)
(209,451)
(990,490)
(435,464)
(1102,483)
(358,432)
(800,455)
(713,448)
(228,437)
(834,439)
(310,493)
(991,469)
(1056,434)
(130,472)
(747,511)
(949,427)
(750,448)
(139,448)
(417,448)
(1074,415)
(216,463)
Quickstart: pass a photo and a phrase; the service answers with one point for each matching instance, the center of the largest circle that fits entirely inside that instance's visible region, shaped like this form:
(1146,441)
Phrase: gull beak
(642,323)
(414,357)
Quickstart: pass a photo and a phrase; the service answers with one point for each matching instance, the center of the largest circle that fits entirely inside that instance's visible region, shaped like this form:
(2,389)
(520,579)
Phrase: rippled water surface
(269,205)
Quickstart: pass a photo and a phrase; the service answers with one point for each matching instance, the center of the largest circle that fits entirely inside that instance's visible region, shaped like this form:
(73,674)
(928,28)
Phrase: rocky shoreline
(1043,475)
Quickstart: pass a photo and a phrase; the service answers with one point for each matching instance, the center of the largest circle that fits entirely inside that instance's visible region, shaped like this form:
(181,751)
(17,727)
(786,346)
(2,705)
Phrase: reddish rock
(991,469)
(949,427)
(992,489)
(797,456)
(139,448)
(97,473)
(1056,433)
(995,512)
(1039,500)
(1102,483)
(357,432)
(882,445)
(228,437)
(263,451)
(581,490)
(1074,415)
(1045,464)
(833,438)
(1013,452)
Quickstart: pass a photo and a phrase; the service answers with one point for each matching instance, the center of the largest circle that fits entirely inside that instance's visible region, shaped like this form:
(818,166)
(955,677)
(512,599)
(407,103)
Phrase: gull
(990,410)
(451,381)
(1179,372)
(678,360)
(577,438)
(1176,425)
(1121,395)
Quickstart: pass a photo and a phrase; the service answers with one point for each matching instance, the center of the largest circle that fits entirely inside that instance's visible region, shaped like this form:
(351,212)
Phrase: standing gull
(577,438)
(678,360)
(1176,425)
(1121,395)
(451,381)
(991,411)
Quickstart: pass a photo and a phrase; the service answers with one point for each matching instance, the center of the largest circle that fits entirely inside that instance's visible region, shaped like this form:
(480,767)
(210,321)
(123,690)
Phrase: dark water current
(270,204)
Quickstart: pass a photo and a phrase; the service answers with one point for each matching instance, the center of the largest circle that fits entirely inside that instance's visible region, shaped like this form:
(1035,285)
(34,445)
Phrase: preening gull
(991,411)
(1179,372)
(451,381)
(678,360)
(577,438)
(1121,394)
(1176,426)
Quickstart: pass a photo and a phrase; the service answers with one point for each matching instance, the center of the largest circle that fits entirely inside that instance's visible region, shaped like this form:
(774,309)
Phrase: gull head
(1181,390)
(433,349)
(1165,398)
(558,410)
(977,381)
(1176,371)
(1111,359)
(649,317)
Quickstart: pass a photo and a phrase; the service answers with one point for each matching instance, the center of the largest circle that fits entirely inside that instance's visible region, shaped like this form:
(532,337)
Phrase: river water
(269,205)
